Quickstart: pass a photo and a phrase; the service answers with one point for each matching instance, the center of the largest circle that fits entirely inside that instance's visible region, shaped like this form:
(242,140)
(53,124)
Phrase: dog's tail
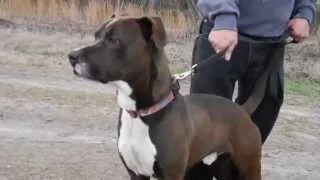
(253,102)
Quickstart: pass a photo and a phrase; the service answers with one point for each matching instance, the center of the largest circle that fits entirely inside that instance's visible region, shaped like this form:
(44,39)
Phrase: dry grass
(62,12)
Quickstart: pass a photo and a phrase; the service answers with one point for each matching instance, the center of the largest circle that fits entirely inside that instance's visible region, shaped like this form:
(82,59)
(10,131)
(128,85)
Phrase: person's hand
(224,40)
(300,29)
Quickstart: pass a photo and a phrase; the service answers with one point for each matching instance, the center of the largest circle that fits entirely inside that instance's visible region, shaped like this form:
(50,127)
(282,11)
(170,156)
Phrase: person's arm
(303,17)
(305,9)
(223,13)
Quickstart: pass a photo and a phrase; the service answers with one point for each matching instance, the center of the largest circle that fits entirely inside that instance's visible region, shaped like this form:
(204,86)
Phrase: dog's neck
(149,87)
(153,86)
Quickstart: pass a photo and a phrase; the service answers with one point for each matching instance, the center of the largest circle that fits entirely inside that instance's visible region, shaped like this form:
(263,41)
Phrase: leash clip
(185,74)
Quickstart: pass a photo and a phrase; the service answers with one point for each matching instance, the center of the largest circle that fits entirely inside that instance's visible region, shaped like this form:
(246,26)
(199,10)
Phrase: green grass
(303,87)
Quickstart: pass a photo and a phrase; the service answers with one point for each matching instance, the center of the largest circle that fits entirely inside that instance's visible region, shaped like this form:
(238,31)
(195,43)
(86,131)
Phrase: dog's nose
(74,57)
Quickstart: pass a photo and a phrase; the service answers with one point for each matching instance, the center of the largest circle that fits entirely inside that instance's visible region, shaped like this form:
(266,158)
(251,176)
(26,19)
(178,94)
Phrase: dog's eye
(113,41)
(96,36)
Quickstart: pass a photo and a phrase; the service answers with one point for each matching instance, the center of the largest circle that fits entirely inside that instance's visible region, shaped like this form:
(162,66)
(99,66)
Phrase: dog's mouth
(81,70)
(85,71)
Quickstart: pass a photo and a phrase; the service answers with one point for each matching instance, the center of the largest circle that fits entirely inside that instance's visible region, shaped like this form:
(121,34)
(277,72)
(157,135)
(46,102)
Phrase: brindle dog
(129,54)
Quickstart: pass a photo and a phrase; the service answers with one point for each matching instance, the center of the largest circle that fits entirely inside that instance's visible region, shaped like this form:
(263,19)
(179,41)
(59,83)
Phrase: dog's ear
(98,33)
(122,14)
(153,29)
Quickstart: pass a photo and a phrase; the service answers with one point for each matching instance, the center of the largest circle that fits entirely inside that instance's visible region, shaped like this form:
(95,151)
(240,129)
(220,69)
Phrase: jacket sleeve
(305,9)
(223,13)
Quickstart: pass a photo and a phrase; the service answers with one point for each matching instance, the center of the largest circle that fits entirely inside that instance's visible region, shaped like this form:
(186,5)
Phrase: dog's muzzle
(80,68)
(74,57)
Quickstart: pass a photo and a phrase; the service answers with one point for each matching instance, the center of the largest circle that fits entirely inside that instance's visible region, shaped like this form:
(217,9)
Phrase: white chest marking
(209,159)
(134,143)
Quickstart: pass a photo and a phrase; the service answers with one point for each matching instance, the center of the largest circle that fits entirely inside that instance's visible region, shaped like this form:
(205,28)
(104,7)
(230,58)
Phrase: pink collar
(155,108)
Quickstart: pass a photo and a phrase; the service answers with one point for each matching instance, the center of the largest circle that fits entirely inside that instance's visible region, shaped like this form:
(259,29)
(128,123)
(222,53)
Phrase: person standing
(249,31)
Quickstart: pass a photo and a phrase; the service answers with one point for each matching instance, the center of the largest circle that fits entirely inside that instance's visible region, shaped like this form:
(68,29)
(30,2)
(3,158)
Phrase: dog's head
(123,49)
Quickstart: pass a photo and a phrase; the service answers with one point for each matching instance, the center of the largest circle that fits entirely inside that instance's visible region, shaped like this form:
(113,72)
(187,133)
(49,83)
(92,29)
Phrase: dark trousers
(219,76)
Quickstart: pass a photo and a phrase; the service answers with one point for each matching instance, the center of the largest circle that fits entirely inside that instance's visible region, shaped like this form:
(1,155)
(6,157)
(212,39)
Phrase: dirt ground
(55,126)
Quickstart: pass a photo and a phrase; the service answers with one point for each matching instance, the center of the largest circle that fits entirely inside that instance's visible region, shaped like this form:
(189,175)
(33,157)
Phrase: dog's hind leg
(246,154)
(249,166)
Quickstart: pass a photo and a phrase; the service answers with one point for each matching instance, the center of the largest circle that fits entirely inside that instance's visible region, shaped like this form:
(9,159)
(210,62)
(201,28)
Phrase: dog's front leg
(173,177)
(134,176)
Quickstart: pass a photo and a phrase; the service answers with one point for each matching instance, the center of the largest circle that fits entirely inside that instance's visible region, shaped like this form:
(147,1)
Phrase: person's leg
(266,114)
(217,77)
